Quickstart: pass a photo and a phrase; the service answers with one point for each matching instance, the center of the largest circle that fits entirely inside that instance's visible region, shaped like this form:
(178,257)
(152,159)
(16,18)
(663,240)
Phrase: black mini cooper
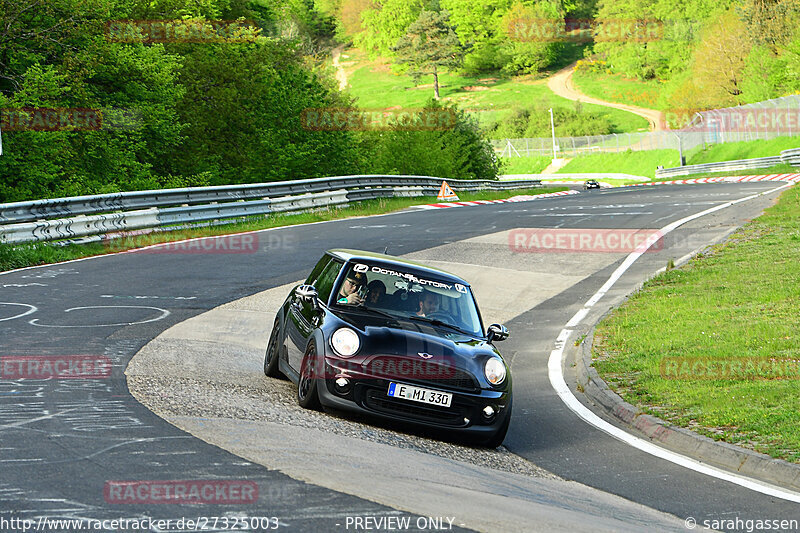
(396,339)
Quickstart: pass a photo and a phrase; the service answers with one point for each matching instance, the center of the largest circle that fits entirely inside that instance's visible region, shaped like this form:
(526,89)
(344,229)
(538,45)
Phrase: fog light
(488,412)
(342,385)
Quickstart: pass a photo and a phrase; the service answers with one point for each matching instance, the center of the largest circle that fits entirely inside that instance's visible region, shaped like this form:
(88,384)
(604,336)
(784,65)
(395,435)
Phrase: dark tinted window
(318,269)
(324,283)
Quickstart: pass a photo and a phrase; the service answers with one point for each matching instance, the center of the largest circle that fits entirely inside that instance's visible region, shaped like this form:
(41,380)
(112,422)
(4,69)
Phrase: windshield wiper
(437,322)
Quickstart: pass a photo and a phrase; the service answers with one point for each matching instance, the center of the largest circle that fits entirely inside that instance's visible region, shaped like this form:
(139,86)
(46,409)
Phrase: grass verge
(731,308)
(489,98)
(783,168)
(29,254)
(532,164)
(743,150)
(641,163)
(617,88)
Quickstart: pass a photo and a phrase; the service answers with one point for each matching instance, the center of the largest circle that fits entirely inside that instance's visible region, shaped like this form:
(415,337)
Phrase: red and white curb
(513,199)
(791,178)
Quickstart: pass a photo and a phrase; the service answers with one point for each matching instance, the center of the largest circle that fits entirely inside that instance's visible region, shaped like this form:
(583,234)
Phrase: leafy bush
(460,152)
(535,122)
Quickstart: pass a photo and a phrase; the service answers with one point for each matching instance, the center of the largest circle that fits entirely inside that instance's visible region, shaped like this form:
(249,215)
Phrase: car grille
(424,372)
(454,415)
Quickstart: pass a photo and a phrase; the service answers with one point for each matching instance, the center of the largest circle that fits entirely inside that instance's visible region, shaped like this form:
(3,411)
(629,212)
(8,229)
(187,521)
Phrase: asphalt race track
(62,441)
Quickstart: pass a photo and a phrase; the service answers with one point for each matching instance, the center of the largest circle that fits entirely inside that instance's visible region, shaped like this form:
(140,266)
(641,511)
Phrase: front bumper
(367,395)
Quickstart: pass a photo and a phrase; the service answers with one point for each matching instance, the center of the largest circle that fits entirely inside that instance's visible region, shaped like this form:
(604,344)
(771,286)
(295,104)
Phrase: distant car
(591,184)
(395,339)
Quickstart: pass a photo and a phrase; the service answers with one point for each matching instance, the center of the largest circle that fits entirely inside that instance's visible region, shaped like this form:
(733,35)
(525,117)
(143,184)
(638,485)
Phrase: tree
(530,52)
(429,45)
(720,58)
(385,24)
(772,23)
(457,152)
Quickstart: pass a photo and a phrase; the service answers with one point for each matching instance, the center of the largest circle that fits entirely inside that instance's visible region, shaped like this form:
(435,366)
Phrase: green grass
(743,150)
(641,163)
(783,168)
(617,88)
(532,164)
(737,302)
(29,254)
(489,98)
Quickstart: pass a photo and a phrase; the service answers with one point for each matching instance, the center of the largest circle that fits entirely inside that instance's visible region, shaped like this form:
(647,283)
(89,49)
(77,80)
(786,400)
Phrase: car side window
(326,279)
(315,273)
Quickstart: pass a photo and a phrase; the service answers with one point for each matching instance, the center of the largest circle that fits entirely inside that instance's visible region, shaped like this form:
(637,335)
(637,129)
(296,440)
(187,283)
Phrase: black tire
(307,394)
(500,435)
(273,350)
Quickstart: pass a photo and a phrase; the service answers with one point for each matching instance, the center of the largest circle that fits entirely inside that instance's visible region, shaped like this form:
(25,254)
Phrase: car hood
(421,349)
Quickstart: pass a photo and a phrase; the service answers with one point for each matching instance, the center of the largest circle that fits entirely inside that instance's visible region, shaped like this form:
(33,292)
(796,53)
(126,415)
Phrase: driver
(349,291)
(428,304)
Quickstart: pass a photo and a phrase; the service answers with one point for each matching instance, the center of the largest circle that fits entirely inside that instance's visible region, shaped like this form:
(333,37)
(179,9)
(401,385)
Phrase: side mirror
(497,332)
(307,294)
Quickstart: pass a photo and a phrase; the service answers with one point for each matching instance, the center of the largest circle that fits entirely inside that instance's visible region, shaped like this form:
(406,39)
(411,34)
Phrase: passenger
(351,286)
(428,304)
(376,293)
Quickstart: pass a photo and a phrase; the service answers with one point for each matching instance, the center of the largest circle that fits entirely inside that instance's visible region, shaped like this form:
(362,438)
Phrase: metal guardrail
(787,156)
(791,156)
(81,216)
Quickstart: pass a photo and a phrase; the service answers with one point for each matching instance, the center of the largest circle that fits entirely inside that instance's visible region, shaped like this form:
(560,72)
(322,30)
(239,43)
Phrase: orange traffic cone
(446,193)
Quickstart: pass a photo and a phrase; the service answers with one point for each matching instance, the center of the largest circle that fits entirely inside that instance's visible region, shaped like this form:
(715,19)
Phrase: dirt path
(341,75)
(561,84)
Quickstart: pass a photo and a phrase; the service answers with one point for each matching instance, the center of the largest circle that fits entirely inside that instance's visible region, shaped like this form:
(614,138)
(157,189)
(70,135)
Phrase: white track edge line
(557,380)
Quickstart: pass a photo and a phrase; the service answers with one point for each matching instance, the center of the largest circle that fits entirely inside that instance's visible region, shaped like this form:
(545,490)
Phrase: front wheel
(307,395)
(273,350)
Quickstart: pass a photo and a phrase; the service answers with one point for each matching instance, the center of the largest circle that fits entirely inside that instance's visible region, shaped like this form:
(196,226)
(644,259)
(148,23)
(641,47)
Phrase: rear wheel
(273,350)
(307,395)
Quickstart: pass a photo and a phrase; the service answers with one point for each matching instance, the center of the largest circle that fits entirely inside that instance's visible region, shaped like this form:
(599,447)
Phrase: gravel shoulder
(205,376)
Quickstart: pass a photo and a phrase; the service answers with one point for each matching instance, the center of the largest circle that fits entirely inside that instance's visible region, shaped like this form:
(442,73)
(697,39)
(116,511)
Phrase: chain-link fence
(763,120)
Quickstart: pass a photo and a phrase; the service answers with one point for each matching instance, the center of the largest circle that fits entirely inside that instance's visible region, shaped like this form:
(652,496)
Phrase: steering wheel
(444,316)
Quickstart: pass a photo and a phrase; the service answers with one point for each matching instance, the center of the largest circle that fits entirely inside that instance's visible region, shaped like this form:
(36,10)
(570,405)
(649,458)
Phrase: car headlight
(345,342)
(495,371)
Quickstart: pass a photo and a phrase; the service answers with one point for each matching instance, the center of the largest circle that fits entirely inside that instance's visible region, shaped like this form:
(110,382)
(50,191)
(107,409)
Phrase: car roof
(355,255)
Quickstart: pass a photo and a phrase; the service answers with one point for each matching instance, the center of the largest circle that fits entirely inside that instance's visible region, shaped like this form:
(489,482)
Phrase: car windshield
(403,294)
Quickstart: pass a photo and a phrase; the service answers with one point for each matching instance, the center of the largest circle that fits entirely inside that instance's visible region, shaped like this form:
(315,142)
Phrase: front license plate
(417,394)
